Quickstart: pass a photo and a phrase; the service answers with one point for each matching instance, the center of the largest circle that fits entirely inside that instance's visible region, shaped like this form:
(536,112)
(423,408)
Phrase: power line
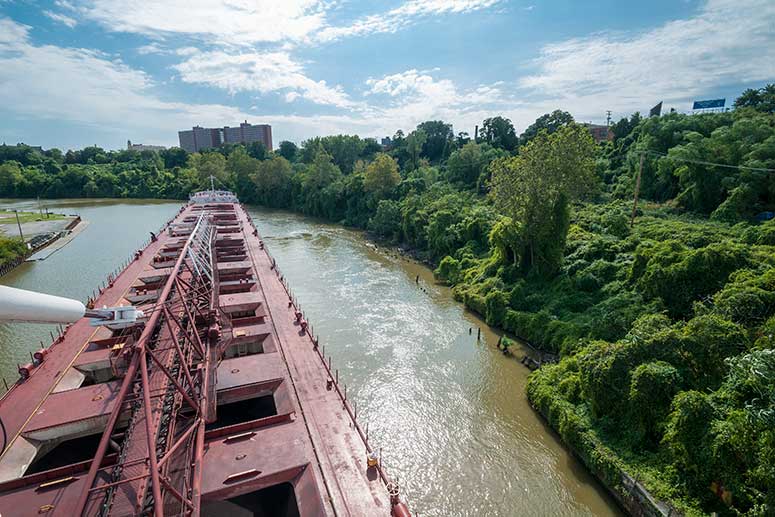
(701,162)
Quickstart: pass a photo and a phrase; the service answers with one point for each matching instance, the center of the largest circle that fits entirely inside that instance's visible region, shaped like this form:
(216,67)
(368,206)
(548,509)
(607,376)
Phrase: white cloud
(245,22)
(259,72)
(87,87)
(220,21)
(11,33)
(410,97)
(61,18)
(64,4)
(728,42)
(151,48)
(410,82)
(402,16)
(186,51)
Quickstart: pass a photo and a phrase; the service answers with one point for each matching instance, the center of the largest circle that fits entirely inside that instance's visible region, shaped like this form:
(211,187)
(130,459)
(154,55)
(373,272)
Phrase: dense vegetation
(11,248)
(664,328)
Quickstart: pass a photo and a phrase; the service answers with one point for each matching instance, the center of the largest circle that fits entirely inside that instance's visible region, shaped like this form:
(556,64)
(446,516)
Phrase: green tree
(242,168)
(414,145)
(534,189)
(208,164)
(10,177)
(322,187)
(257,150)
(549,122)
(760,99)
(438,140)
(386,221)
(499,132)
(344,150)
(174,157)
(468,164)
(288,150)
(381,176)
(273,182)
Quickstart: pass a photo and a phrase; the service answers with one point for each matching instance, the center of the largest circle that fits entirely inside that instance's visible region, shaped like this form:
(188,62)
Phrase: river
(449,412)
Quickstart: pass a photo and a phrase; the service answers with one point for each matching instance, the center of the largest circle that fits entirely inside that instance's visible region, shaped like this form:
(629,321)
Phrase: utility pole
(19,224)
(637,190)
(608,117)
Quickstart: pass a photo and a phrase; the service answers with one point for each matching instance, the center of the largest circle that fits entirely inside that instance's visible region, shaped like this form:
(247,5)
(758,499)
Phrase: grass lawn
(9,217)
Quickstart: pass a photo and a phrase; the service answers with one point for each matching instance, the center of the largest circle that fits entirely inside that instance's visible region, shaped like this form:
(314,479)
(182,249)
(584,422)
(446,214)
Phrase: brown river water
(449,412)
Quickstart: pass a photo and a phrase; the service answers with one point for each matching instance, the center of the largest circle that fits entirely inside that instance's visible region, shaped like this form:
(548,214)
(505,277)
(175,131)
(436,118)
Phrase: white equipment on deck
(32,307)
(212,195)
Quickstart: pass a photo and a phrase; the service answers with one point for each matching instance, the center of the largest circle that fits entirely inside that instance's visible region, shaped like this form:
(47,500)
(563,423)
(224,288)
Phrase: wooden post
(637,190)
(19,224)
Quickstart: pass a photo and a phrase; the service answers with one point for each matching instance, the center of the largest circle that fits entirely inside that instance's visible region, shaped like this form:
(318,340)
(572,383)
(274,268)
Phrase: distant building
(600,133)
(386,142)
(143,147)
(198,138)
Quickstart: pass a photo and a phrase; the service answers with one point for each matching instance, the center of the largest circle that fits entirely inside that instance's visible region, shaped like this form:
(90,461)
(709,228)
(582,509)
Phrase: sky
(82,72)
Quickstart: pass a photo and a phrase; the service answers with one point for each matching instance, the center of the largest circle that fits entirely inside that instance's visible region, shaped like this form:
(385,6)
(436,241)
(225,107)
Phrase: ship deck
(285,439)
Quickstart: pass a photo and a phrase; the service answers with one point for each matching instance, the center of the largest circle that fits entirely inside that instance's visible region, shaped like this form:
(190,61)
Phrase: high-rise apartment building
(198,138)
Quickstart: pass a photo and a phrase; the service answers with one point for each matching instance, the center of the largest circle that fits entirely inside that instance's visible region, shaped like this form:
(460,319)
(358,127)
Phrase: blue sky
(82,72)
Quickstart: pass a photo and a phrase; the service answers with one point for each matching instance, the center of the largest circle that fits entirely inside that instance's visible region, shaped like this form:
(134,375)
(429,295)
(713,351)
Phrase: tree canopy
(535,187)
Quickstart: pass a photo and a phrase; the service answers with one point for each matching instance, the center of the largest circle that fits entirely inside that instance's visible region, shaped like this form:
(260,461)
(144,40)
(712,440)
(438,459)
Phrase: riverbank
(40,236)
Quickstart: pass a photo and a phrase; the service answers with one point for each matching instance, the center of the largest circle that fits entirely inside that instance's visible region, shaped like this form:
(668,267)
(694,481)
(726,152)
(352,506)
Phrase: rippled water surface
(449,412)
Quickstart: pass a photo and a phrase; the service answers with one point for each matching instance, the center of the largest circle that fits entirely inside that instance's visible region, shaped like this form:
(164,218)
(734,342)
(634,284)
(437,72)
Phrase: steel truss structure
(166,397)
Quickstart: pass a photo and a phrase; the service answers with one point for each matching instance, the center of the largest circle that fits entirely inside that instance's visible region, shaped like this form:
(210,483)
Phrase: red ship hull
(231,411)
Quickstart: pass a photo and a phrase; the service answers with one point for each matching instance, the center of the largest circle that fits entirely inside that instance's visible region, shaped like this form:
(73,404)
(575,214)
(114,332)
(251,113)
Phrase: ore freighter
(191,384)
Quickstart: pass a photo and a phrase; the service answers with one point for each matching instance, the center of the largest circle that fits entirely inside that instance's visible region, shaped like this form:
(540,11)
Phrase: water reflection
(450,412)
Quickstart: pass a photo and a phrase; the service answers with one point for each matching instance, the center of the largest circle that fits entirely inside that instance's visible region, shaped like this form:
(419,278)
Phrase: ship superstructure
(199,388)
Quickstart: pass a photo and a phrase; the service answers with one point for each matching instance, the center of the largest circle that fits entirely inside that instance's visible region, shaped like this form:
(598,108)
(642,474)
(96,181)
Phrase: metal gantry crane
(163,398)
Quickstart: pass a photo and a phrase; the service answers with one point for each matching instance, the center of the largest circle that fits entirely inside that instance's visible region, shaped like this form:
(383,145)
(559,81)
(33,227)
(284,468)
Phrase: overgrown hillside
(664,329)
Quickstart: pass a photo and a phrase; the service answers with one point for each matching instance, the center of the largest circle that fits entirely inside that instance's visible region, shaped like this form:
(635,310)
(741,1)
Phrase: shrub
(448,270)
(496,302)
(652,388)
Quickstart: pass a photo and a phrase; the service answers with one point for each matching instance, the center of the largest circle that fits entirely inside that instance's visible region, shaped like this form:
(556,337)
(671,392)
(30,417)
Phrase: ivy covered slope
(664,330)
